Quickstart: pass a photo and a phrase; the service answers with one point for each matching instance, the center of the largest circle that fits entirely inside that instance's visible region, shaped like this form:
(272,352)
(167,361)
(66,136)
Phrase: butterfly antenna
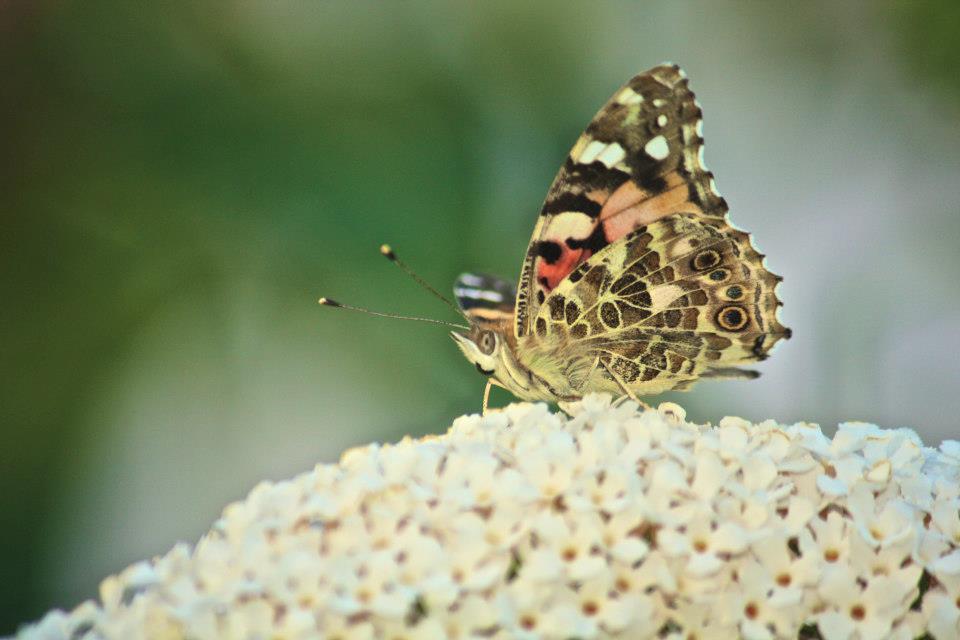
(327,302)
(390,255)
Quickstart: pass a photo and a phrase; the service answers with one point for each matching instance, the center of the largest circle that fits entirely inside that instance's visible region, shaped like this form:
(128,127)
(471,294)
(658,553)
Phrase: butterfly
(634,281)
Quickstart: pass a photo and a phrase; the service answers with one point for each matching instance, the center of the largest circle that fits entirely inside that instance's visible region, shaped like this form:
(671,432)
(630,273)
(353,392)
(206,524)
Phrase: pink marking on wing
(554,273)
(630,206)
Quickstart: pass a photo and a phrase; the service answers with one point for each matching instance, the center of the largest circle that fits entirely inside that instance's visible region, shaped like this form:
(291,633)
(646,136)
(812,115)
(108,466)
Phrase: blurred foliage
(183,181)
(928,33)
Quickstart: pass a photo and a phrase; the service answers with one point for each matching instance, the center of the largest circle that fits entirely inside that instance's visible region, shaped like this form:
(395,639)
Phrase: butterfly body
(634,281)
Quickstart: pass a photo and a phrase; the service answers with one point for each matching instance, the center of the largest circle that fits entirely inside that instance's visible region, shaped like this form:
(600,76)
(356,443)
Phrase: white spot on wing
(591,151)
(699,127)
(471,279)
(657,148)
(609,153)
(662,296)
(569,224)
(703,165)
(613,154)
(659,102)
(578,147)
(662,120)
(629,96)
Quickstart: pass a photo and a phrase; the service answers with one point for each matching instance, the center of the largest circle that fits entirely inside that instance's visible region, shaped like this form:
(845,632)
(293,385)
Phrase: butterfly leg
(623,387)
(486,398)
(569,408)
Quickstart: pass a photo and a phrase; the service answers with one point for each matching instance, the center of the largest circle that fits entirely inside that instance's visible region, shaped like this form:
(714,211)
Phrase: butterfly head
(487,302)
(483,347)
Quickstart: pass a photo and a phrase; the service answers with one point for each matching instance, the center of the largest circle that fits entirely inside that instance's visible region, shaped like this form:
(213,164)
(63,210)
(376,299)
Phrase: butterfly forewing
(637,161)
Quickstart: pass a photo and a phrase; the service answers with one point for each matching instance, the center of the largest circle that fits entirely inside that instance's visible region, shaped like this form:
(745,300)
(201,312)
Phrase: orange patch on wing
(630,206)
(554,273)
(600,196)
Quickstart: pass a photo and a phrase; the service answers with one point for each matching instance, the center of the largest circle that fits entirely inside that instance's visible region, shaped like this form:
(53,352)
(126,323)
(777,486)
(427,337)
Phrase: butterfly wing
(680,298)
(485,298)
(638,161)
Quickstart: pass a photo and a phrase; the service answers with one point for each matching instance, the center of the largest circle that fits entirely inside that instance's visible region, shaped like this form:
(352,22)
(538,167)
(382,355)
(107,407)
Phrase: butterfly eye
(487,342)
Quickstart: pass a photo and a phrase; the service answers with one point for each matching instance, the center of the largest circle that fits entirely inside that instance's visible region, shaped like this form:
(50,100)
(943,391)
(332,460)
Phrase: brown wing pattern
(639,160)
(681,298)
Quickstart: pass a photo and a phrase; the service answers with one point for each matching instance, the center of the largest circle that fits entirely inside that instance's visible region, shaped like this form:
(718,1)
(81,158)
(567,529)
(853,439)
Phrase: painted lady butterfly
(634,281)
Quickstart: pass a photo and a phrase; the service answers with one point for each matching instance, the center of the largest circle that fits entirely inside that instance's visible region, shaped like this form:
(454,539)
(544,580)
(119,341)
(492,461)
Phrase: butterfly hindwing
(678,299)
(639,160)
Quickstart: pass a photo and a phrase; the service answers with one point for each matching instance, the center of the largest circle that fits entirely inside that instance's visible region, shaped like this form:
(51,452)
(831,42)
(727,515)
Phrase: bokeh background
(181,182)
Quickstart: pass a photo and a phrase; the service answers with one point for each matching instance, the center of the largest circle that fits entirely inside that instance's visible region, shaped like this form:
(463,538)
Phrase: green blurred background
(180,182)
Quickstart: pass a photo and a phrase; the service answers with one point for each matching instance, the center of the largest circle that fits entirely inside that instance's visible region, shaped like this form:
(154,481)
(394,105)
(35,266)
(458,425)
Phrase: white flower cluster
(613,523)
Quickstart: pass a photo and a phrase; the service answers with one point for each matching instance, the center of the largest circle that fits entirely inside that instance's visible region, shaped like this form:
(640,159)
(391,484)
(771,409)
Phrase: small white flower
(947,566)
(799,511)
(575,542)
(789,575)
(941,608)
(917,491)
(654,573)
(612,610)
(852,609)
(547,462)
(734,437)
(830,539)
(853,436)
(945,517)
(892,560)
(710,476)
(523,609)
(750,607)
(625,534)
(703,543)
(609,488)
(880,525)
(810,437)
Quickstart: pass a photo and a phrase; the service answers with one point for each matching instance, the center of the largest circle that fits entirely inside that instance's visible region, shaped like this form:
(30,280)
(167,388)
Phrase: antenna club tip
(327,302)
(387,251)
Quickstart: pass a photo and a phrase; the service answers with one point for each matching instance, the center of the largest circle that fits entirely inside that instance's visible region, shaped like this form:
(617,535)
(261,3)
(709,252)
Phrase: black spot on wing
(577,274)
(549,250)
(541,327)
(648,179)
(588,177)
(594,242)
(556,304)
(568,201)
